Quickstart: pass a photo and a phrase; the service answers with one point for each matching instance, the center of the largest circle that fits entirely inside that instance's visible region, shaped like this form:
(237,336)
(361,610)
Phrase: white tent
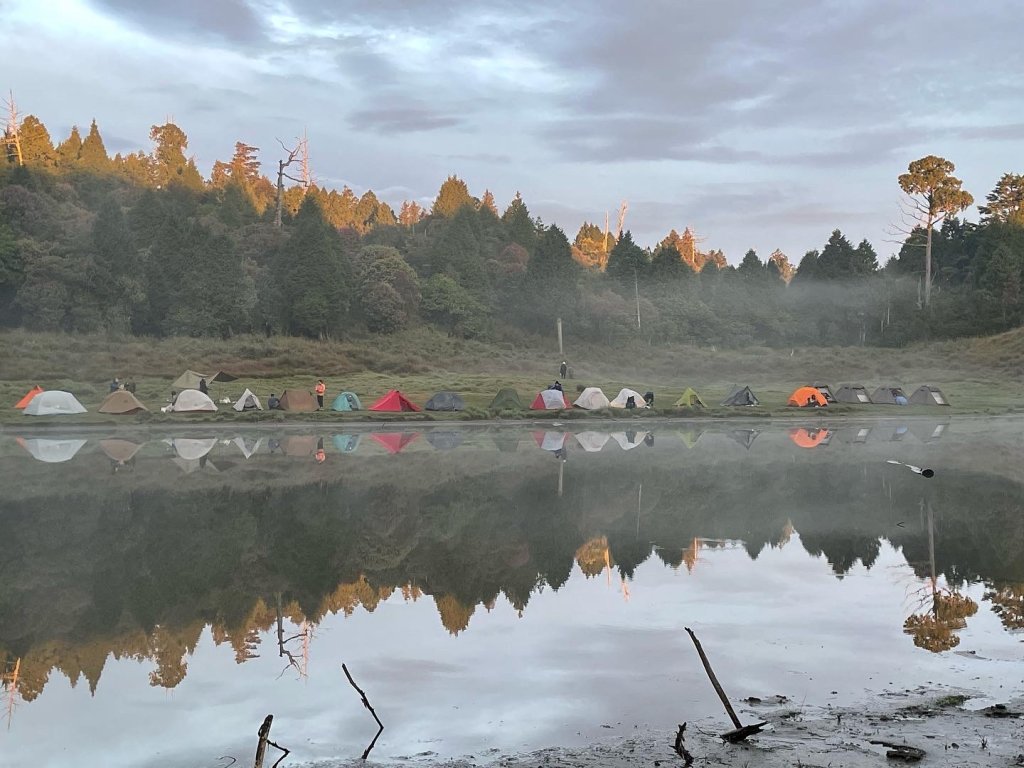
(629,440)
(190,400)
(193,449)
(248,402)
(188,466)
(592,442)
(52,451)
(591,399)
(247,445)
(549,399)
(624,395)
(550,441)
(54,402)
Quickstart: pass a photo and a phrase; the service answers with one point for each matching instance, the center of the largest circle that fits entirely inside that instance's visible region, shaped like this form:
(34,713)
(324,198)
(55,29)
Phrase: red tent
(394,401)
(28,396)
(394,442)
(549,399)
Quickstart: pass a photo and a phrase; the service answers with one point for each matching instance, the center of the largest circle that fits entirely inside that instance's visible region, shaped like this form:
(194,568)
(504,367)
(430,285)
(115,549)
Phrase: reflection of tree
(593,556)
(1008,604)
(454,615)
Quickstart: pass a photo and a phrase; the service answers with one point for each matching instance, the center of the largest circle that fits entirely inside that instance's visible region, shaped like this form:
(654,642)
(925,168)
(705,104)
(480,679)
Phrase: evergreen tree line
(143,244)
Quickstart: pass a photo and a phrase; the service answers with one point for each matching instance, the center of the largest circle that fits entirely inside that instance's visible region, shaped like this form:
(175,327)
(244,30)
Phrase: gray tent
(852,393)
(928,395)
(445,441)
(445,401)
(826,392)
(889,396)
(741,396)
(745,437)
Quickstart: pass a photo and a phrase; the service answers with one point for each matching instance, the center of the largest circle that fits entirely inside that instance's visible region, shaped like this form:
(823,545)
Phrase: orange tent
(394,442)
(28,396)
(807,397)
(810,438)
(394,401)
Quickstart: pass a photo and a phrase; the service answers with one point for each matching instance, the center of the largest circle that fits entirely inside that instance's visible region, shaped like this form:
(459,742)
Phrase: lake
(491,589)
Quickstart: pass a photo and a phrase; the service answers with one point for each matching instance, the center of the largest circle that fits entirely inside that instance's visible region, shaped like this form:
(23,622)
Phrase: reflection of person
(320,455)
(321,389)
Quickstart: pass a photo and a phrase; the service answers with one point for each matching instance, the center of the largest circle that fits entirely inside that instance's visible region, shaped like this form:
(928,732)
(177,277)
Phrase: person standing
(203,388)
(115,385)
(321,390)
(563,369)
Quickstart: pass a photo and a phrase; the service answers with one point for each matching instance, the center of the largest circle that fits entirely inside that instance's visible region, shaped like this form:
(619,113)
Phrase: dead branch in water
(681,749)
(741,731)
(264,742)
(366,703)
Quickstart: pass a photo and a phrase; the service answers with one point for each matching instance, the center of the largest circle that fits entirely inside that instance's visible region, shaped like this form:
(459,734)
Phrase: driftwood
(366,703)
(264,742)
(741,731)
(902,752)
(681,749)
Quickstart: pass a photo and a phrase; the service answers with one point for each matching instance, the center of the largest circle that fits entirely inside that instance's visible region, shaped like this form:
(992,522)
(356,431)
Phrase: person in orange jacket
(321,388)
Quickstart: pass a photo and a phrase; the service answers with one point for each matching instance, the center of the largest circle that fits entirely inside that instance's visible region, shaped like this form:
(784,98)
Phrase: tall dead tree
(12,139)
(295,155)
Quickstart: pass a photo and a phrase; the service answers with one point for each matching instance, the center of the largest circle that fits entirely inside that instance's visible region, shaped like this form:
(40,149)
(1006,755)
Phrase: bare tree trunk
(928,264)
(280,192)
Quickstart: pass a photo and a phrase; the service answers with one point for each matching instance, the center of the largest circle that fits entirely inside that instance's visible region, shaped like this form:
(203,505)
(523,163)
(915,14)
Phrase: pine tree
(487,202)
(93,155)
(751,269)
(518,224)
(69,149)
(169,165)
(627,259)
(453,195)
(36,147)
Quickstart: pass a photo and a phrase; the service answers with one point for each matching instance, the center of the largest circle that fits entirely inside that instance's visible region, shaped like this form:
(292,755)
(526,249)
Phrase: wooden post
(558,325)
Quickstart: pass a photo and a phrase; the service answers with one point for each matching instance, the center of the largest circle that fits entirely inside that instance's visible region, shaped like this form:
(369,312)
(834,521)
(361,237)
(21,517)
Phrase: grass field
(978,375)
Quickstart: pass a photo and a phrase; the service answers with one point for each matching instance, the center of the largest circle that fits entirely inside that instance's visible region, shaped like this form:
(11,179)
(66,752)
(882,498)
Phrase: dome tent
(248,402)
(347,401)
(506,400)
(28,397)
(54,402)
(297,400)
(192,401)
(592,399)
(445,401)
(51,451)
(549,400)
(121,402)
(807,397)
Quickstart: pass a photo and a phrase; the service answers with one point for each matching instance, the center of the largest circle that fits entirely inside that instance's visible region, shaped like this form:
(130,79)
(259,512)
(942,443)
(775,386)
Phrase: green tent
(506,400)
(690,399)
(346,401)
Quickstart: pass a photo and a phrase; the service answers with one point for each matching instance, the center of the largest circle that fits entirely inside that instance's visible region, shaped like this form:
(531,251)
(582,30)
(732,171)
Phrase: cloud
(391,120)
(231,21)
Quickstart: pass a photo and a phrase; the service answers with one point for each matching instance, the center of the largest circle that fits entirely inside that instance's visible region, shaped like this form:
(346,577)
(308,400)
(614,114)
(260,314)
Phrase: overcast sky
(761,124)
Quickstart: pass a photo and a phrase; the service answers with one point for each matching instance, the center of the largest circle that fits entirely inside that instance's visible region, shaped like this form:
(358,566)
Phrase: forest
(143,244)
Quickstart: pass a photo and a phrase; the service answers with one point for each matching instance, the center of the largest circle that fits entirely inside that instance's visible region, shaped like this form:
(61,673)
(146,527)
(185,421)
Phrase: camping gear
(28,397)
(741,396)
(810,437)
(826,392)
(445,401)
(119,450)
(192,401)
(394,401)
(549,400)
(222,377)
(690,399)
(550,441)
(621,400)
(51,451)
(395,442)
(889,396)
(346,401)
(297,400)
(444,440)
(121,402)
(807,397)
(506,400)
(189,380)
(347,443)
(53,402)
(629,440)
(591,399)
(928,395)
(592,442)
(248,402)
(852,393)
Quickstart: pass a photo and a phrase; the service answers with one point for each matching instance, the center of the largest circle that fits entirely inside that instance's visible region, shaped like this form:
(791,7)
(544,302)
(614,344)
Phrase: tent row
(821,395)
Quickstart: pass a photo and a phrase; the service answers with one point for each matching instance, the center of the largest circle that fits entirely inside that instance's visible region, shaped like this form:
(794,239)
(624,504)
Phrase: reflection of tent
(192,400)
(189,380)
(247,445)
(898,433)
(591,399)
(741,396)
(928,431)
(928,395)
(395,442)
(188,466)
(53,402)
(346,401)
(505,441)
(444,441)
(807,397)
(347,443)
(119,450)
(297,400)
(889,396)
(445,401)
(298,445)
(690,399)
(51,451)
(852,393)
(549,400)
(629,440)
(28,397)
(248,402)
(592,442)
(550,441)
(506,400)
(744,437)
(193,449)
(394,401)
(121,402)
(624,395)
(860,434)
(810,438)
(690,436)
(222,377)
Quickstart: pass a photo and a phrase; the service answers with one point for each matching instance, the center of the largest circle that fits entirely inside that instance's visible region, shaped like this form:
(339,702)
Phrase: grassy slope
(978,375)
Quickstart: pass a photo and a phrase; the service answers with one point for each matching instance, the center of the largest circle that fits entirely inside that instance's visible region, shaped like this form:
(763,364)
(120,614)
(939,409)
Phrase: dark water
(490,589)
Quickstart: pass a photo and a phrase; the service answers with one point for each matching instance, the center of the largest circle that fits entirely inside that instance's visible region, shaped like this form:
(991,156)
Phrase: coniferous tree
(1006,201)
(69,149)
(487,203)
(453,195)
(627,260)
(36,147)
(169,165)
(518,224)
(93,154)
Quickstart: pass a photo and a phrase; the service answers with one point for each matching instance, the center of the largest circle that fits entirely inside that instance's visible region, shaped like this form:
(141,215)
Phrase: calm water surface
(490,589)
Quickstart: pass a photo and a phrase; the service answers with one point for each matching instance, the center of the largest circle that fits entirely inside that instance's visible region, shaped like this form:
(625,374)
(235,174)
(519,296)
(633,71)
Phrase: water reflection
(260,541)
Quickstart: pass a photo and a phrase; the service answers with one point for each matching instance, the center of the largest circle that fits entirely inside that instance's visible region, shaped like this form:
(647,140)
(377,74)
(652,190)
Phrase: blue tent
(346,401)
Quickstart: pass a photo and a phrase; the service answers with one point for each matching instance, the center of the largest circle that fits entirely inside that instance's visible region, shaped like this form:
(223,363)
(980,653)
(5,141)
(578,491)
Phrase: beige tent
(624,395)
(189,380)
(192,400)
(591,399)
(118,449)
(121,402)
(297,400)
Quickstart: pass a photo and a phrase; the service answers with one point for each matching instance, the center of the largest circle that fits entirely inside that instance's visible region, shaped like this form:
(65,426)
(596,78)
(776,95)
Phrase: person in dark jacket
(203,388)
(273,402)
